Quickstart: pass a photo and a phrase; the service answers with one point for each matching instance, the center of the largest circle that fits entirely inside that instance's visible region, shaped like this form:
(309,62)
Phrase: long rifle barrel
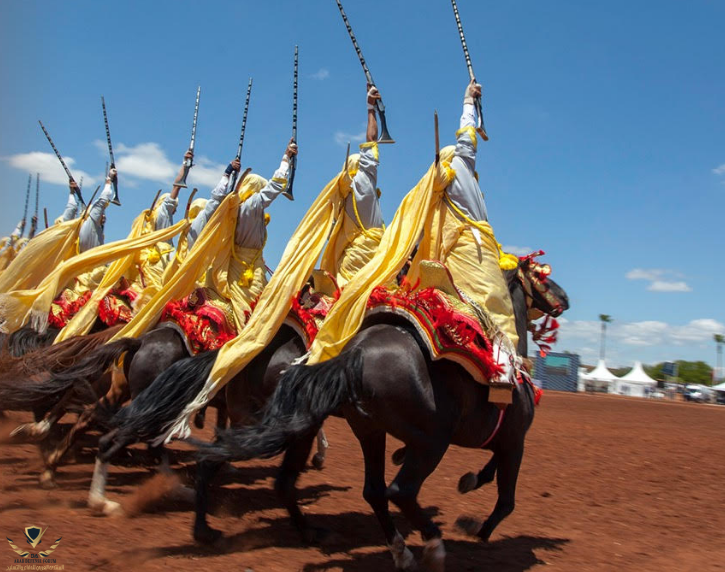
(293,161)
(244,119)
(196,115)
(62,162)
(481,128)
(115,200)
(189,163)
(27,200)
(34,218)
(384,135)
(241,135)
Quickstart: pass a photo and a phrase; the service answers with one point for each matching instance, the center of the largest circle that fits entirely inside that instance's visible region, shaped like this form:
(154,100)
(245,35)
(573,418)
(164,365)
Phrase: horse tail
(304,397)
(46,393)
(155,409)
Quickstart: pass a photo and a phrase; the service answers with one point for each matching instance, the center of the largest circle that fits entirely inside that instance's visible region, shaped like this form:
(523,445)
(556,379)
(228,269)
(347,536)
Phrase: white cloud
(660,280)
(145,161)
(49,167)
(518,250)
(644,274)
(321,74)
(719,170)
(205,173)
(342,138)
(664,286)
(582,336)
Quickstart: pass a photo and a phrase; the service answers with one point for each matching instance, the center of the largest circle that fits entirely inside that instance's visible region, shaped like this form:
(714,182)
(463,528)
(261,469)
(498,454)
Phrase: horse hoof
(469,526)
(185,494)
(402,556)
(31,431)
(318,461)
(206,535)
(398,457)
(104,507)
(467,483)
(47,480)
(434,556)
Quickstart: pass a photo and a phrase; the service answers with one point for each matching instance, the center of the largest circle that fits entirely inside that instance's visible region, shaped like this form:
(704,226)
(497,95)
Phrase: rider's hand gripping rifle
(380,108)
(76,189)
(115,200)
(481,128)
(188,162)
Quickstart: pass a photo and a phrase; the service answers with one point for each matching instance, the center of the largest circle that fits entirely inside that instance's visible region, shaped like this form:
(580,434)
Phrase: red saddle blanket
(447,326)
(204,317)
(115,308)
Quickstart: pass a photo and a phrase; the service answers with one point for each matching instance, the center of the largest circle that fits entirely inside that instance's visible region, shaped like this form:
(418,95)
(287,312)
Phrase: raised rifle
(293,160)
(384,135)
(25,211)
(34,219)
(233,181)
(480,127)
(115,199)
(189,163)
(437,137)
(62,162)
(45,216)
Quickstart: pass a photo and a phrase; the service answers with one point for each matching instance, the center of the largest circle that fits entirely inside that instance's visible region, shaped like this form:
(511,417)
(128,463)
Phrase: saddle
(451,326)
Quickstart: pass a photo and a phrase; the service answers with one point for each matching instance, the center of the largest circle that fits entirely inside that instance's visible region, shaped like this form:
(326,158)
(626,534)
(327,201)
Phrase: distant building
(557,371)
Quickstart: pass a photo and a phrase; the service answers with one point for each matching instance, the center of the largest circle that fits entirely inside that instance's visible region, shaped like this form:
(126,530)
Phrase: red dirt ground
(607,483)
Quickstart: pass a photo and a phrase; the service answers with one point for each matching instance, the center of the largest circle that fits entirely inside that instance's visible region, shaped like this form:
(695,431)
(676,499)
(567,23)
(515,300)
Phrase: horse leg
(472,481)
(420,461)
(318,460)
(221,414)
(200,418)
(39,430)
(373,447)
(115,396)
(52,459)
(97,500)
(202,532)
(294,462)
(509,463)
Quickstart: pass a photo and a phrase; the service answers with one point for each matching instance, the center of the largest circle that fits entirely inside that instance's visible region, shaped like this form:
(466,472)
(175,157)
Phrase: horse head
(543,295)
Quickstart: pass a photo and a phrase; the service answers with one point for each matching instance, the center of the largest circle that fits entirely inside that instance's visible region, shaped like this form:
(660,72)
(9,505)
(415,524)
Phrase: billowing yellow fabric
(42,255)
(240,279)
(349,249)
(294,269)
(475,269)
(20,306)
(396,244)
(8,254)
(208,263)
(83,321)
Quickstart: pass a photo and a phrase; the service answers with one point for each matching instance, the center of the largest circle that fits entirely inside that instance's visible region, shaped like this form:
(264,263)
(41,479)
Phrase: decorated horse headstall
(535,277)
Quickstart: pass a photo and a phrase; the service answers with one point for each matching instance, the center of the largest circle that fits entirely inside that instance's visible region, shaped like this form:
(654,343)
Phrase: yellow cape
(42,254)
(83,321)
(295,267)
(20,306)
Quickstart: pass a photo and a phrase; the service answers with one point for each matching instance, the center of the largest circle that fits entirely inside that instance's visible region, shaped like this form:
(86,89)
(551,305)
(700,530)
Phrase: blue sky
(606,123)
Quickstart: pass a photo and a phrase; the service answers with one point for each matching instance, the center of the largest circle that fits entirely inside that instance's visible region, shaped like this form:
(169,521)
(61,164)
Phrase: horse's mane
(56,357)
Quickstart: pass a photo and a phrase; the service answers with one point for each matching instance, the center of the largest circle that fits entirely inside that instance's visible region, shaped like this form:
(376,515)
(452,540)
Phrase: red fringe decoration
(206,326)
(62,309)
(448,329)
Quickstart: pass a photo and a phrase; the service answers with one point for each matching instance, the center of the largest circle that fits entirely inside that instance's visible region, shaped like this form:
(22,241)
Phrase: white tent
(720,387)
(599,379)
(636,383)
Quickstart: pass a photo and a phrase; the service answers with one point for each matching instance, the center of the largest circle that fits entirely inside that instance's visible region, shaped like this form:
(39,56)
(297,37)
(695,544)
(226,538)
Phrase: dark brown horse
(384,382)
